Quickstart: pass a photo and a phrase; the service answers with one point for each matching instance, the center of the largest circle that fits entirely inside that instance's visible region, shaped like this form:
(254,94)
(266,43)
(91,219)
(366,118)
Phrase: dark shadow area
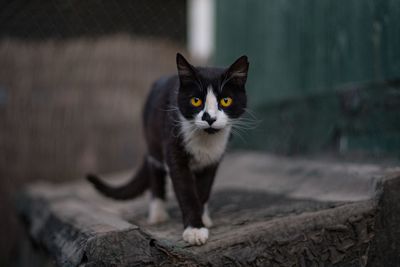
(72,19)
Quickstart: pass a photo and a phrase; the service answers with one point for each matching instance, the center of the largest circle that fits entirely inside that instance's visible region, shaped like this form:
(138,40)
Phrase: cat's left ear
(237,72)
(185,70)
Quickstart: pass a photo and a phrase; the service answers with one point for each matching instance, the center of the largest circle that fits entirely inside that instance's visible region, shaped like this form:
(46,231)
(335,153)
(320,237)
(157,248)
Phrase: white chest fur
(205,148)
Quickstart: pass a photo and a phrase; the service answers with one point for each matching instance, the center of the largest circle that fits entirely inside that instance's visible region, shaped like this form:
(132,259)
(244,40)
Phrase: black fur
(136,186)
(169,98)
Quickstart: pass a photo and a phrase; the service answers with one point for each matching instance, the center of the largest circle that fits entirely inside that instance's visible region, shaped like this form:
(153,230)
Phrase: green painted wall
(319,50)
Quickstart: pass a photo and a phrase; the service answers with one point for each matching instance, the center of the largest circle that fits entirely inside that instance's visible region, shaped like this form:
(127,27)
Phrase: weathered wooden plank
(337,235)
(254,225)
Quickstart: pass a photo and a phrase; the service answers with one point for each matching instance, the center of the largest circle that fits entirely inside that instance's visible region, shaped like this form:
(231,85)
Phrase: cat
(187,122)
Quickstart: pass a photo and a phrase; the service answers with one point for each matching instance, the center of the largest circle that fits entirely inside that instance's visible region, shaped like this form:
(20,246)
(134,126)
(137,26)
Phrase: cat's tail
(135,187)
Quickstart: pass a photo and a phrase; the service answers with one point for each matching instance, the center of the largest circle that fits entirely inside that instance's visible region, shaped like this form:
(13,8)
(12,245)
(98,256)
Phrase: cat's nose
(206,117)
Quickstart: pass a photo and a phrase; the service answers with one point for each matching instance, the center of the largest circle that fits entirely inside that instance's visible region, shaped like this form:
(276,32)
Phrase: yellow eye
(226,102)
(195,101)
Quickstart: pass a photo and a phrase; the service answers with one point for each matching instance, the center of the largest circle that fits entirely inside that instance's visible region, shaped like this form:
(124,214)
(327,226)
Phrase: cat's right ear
(237,72)
(185,70)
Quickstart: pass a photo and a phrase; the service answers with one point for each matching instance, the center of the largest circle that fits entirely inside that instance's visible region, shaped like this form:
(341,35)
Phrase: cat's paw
(195,236)
(157,212)
(206,219)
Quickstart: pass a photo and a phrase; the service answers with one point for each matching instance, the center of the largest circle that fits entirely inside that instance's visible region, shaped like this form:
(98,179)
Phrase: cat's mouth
(211,130)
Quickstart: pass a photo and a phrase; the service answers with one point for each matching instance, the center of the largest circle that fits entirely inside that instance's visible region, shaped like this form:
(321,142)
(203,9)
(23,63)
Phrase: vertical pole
(201,28)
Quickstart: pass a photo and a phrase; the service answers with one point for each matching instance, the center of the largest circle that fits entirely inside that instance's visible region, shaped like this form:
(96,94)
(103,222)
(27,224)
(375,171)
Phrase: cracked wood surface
(267,211)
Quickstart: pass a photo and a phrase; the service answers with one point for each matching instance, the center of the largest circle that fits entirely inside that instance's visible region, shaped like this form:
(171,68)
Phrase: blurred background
(324,79)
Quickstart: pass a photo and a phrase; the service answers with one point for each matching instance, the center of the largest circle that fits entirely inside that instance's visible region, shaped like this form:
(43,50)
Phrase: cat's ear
(237,72)
(185,69)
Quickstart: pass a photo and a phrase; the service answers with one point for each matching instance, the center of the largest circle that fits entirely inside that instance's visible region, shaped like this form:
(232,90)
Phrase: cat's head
(210,99)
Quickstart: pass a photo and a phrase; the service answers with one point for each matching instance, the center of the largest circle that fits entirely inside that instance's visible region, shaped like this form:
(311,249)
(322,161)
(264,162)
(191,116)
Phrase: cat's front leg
(184,185)
(204,181)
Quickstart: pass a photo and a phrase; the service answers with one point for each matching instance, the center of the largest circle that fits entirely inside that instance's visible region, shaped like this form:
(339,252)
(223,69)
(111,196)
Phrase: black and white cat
(187,123)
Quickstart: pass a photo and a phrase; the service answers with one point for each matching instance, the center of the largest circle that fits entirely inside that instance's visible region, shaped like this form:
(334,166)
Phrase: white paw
(157,212)
(195,236)
(206,217)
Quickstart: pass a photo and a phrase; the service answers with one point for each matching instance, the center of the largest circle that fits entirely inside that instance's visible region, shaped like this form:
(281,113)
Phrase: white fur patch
(195,236)
(206,217)
(211,105)
(157,212)
(206,148)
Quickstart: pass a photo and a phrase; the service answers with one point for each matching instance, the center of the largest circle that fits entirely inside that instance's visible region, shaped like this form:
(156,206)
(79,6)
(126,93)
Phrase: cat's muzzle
(211,130)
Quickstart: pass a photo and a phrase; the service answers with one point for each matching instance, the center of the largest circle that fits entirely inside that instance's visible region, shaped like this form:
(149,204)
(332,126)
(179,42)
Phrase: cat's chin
(211,130)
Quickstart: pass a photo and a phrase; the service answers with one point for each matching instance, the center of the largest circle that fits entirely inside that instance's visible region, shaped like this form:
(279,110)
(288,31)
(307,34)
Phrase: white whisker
(237,133)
